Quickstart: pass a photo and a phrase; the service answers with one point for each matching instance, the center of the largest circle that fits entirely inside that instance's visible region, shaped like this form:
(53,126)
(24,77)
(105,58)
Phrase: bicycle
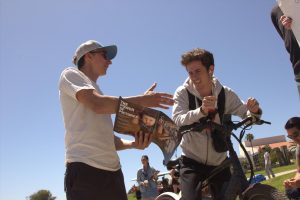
(238,185)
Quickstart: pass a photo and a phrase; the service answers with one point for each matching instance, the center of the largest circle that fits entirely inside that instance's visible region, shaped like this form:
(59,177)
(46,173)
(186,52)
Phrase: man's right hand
(209,104)
(157,99)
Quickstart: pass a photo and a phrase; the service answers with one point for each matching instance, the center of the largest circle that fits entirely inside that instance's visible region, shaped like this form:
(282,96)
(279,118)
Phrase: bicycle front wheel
(264,192)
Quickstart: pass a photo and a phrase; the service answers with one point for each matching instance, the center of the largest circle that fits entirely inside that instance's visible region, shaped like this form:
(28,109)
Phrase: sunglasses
(294,135)
(103,53)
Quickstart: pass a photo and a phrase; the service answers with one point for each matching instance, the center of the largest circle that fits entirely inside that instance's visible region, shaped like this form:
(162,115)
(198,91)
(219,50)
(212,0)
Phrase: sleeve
(72,81)
(138,177)
(181,113)
(235,106)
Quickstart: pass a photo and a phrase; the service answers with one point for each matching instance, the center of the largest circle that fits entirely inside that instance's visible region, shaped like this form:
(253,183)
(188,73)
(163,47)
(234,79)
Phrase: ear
(211,69)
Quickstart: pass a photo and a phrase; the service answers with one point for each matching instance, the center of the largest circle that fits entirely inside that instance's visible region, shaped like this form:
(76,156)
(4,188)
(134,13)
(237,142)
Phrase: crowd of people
(93,169)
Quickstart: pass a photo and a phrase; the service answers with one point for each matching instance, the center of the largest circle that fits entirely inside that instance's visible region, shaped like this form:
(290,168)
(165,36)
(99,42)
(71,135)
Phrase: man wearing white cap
(93,166)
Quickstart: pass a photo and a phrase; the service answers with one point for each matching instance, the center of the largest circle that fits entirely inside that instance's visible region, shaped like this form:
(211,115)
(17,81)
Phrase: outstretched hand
(157,99)
(150,89)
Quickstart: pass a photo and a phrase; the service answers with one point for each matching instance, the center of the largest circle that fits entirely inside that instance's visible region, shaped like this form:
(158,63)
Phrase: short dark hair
(145,157)
(81,62)
(198,54)
(293,122)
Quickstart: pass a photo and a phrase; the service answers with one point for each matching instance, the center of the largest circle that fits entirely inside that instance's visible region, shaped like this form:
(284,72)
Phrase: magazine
(131,118)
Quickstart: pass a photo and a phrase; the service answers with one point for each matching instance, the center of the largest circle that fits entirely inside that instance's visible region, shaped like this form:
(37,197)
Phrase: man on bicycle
(200,96)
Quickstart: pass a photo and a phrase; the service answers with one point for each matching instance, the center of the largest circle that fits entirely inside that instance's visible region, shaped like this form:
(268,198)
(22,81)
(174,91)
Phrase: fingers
(252,102)
(147,140)
(161,106)
(164,95)
(166,100)
(286,21)
(157,99)
(209,103)
(162,100)
(153,86)
(253,105)
(142,140)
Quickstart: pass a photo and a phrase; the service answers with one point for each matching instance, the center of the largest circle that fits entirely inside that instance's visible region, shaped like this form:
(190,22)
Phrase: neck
(205,91)
(89,73)
(145,166)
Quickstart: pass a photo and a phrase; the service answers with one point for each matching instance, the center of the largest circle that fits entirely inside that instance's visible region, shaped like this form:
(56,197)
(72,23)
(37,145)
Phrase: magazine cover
(131,118)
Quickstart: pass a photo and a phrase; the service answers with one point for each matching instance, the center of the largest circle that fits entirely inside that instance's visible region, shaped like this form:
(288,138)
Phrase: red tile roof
(278,144)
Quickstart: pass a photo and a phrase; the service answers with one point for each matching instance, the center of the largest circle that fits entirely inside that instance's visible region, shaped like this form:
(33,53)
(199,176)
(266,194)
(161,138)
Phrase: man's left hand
(142,140)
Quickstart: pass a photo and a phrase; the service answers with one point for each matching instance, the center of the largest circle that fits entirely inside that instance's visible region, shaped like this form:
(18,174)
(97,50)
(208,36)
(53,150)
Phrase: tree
(42,195)
(249,138)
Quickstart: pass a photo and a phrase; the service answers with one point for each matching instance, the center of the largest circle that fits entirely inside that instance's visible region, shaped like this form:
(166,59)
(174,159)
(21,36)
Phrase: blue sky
(38,39)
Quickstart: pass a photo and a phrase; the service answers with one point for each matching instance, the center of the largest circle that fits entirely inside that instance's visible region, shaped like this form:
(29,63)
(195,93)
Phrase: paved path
(283,173)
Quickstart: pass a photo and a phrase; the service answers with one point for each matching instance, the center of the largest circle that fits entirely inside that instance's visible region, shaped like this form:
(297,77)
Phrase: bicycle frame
(238,183)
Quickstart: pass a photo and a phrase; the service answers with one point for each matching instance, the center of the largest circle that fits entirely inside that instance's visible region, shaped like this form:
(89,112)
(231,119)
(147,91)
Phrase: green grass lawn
(275,170)
(131,197)
(277,182)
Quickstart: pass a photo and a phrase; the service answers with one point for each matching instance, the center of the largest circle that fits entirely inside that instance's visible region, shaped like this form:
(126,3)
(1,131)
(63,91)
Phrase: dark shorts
(83,182)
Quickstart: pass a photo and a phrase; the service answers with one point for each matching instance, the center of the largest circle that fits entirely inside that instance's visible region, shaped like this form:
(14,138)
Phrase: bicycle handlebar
(227,127)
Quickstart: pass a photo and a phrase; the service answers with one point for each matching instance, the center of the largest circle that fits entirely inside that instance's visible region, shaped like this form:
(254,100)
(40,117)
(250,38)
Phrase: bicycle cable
(239,140)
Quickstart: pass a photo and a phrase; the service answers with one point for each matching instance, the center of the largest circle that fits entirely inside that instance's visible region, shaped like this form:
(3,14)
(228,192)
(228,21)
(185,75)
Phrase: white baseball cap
(91,45)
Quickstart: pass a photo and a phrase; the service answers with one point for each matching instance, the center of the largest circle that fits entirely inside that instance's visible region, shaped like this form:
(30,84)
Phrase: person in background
(147,179)
(292,186)
(283,24)
(93,169)
(268,164)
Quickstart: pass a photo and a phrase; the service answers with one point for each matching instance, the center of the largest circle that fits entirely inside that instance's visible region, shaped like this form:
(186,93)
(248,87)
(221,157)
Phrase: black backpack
(219,139)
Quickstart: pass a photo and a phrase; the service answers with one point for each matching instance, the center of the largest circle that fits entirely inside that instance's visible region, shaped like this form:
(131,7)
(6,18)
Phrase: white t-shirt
(89,136)
(267,158)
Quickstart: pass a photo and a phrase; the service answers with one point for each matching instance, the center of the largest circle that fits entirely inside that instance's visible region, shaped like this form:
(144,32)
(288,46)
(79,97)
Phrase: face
(294,134)
(144,161)
(99,62)
(200,76)
(148,120)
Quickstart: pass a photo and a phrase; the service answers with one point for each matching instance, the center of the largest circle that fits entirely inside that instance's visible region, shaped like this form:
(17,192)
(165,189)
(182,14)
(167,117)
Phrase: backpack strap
(192,102)
(221,104)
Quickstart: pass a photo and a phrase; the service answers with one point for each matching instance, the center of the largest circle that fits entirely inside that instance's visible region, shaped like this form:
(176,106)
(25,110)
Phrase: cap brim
(111,51)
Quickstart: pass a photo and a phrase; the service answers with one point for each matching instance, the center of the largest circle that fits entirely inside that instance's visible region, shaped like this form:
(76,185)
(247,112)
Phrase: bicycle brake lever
(260,122)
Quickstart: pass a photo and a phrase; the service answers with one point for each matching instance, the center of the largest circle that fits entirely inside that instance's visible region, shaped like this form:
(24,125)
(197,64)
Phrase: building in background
(279,143)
